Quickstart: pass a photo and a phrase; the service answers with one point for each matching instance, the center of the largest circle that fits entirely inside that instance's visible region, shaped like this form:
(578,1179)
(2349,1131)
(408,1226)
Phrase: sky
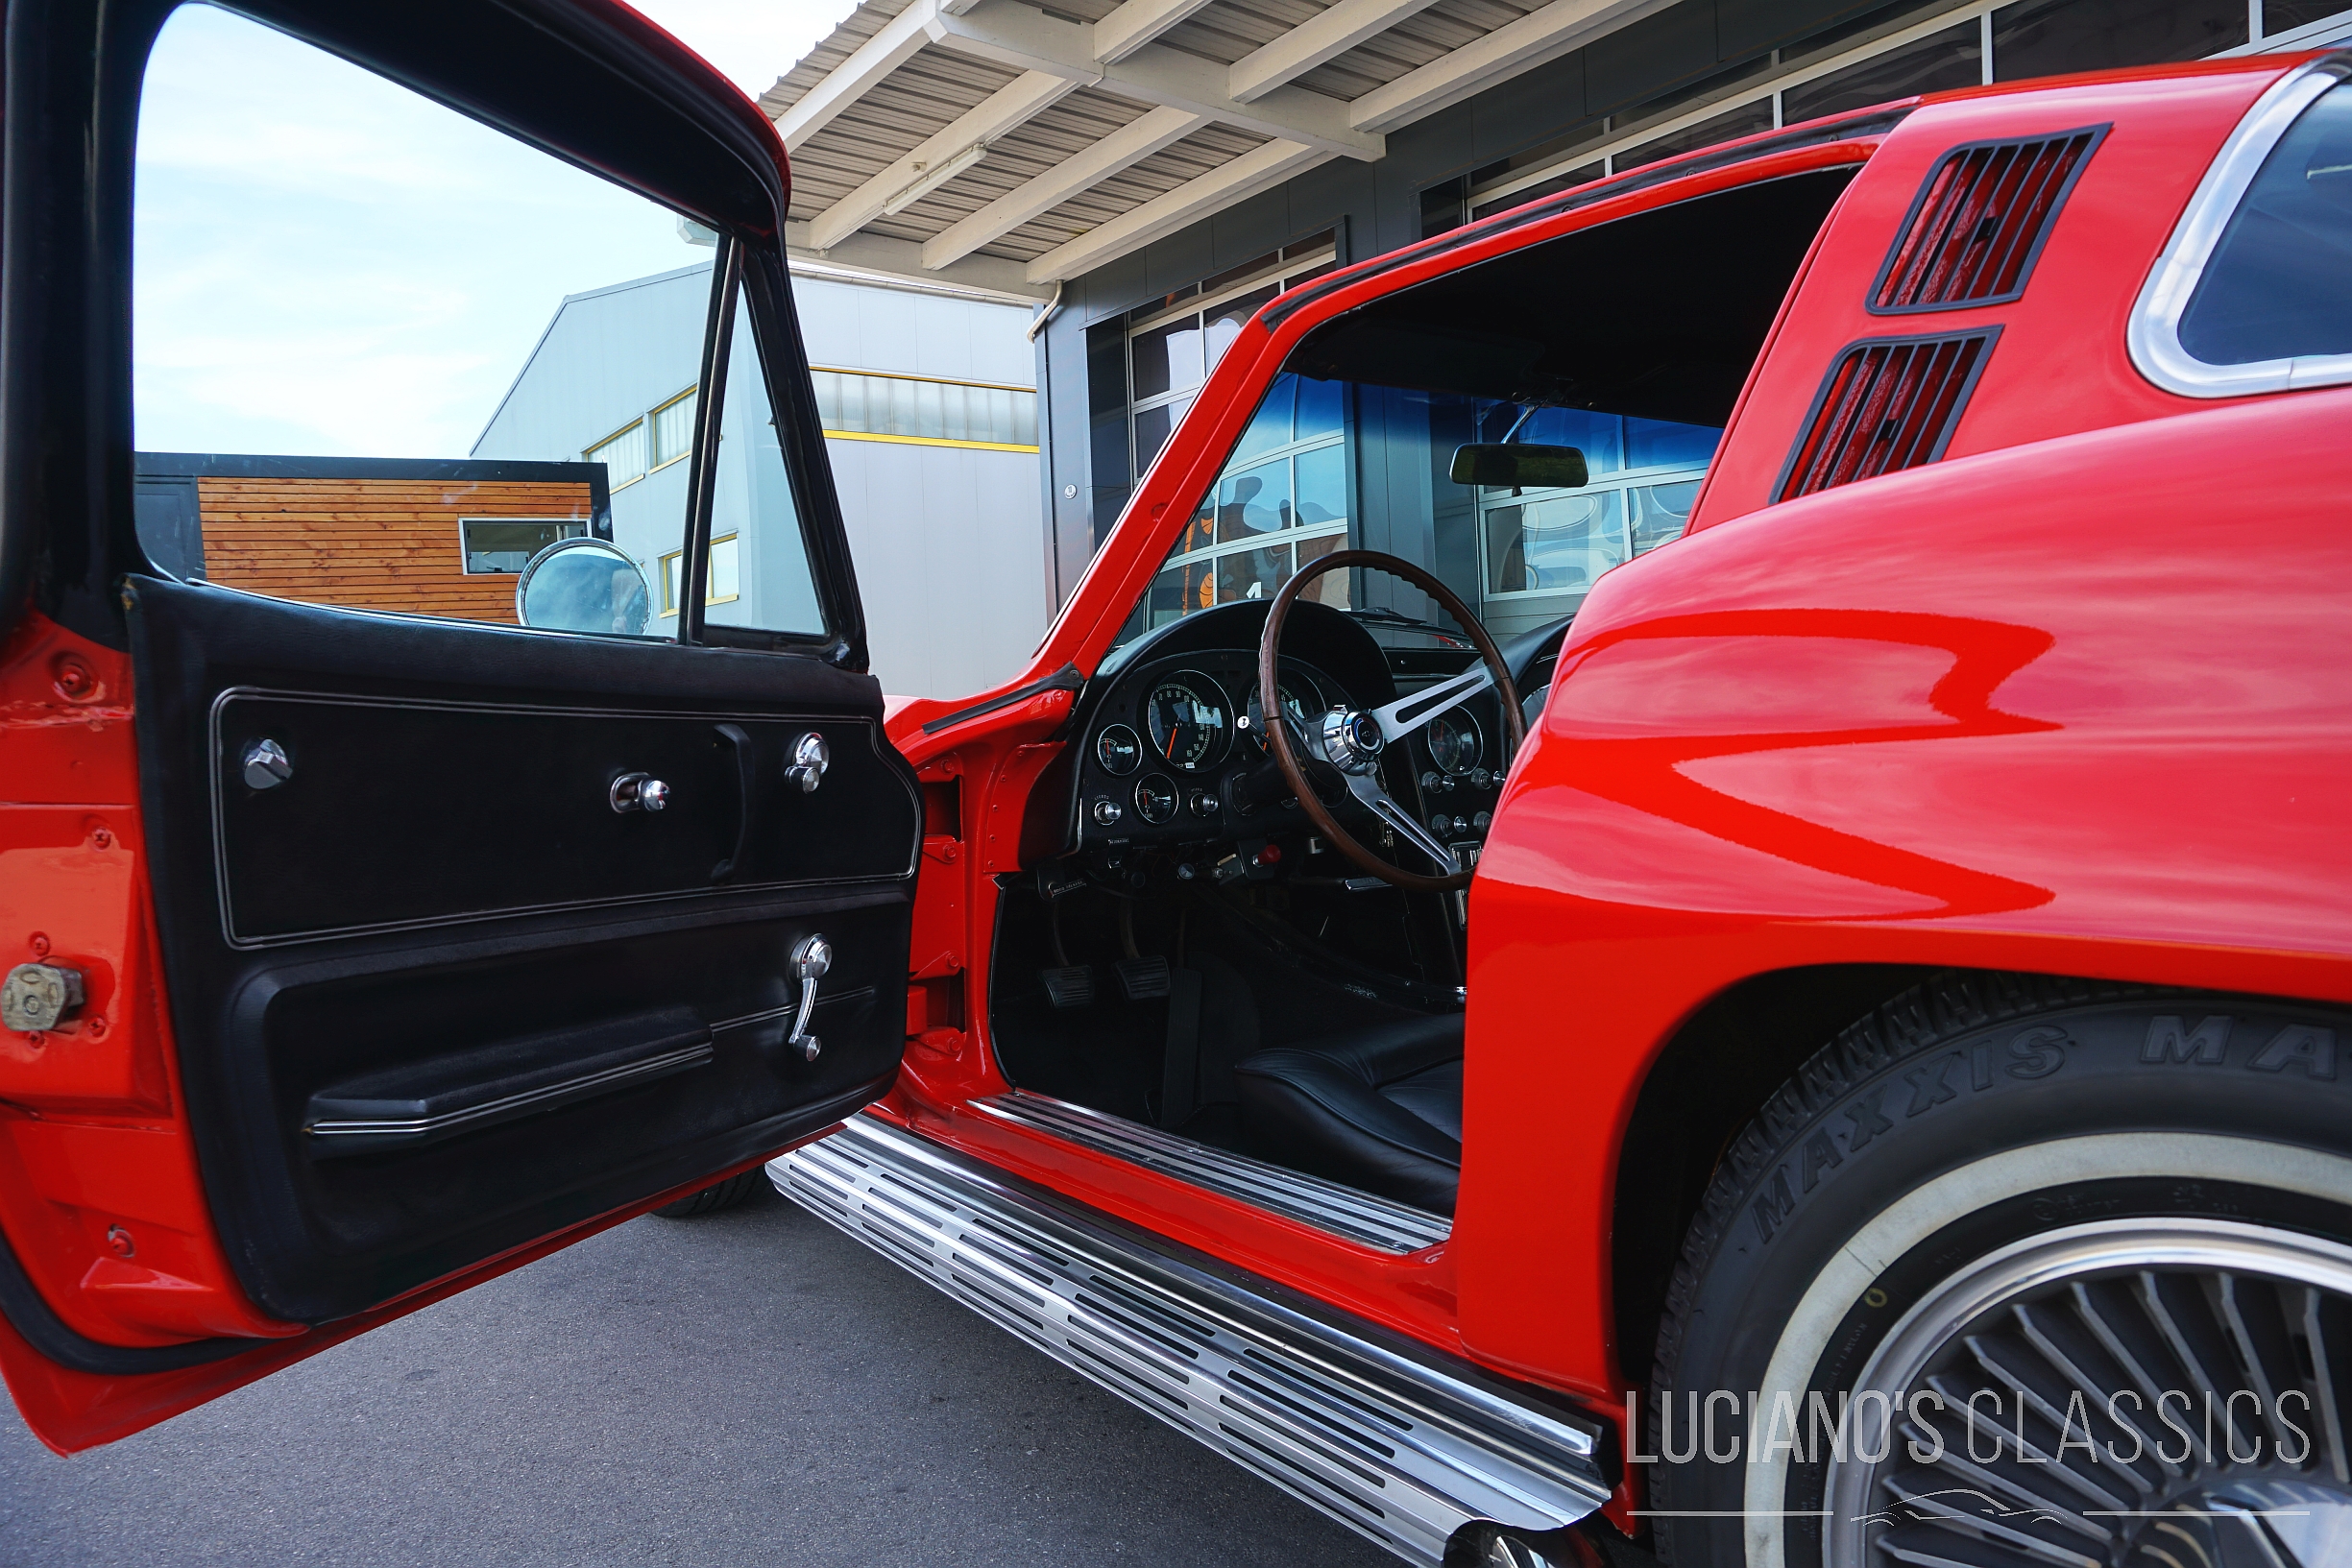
(327,265)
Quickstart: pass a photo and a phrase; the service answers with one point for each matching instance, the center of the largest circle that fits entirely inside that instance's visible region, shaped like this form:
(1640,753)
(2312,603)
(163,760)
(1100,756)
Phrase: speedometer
(1186,716)
(1299,700)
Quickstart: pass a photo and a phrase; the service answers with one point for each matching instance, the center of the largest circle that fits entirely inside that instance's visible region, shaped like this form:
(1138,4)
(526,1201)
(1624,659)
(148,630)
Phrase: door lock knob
(265,765)
(810,758)
(638,792)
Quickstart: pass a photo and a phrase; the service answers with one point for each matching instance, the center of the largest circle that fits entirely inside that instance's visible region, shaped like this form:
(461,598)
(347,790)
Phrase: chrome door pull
(811,959)
(638,792)
(810,758)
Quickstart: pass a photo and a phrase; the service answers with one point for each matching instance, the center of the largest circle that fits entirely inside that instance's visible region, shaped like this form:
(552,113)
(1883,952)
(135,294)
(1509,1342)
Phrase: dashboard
(1175,751)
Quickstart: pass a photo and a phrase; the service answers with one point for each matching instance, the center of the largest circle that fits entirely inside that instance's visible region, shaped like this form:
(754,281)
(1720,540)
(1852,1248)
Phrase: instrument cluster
(1187,751)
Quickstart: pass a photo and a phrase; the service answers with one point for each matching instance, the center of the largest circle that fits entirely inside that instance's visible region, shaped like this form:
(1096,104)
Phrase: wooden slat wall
(371,544)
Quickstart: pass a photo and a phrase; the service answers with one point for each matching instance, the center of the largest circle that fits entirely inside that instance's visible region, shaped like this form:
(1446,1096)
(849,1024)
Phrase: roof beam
(1010,106)
(1136,23)
(1256,170)
(1327,36)
(873,60)
(1507,51)
(1128,145)
(1025,38)
(902,259)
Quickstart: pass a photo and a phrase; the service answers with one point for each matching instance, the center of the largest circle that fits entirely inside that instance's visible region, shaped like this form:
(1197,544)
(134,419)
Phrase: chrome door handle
(638,792)
(811,959)
(810,758)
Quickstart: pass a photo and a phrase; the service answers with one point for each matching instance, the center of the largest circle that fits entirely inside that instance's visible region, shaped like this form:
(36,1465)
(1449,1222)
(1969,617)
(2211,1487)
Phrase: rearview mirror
(1519,464)
(583,585)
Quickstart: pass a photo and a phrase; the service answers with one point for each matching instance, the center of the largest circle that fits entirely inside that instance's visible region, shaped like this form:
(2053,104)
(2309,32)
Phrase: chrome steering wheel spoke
(1406,714)
(1366,789)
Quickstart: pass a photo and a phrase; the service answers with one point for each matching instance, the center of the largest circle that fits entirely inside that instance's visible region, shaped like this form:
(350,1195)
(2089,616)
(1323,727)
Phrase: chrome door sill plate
(1357,1216)
(1398,1442)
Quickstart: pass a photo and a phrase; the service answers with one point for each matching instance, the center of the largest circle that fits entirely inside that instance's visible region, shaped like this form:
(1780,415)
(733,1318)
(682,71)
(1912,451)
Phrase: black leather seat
(1379,1109)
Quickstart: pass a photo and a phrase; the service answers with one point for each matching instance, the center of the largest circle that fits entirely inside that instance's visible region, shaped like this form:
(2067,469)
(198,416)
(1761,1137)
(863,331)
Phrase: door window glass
(398,354)
(760,574)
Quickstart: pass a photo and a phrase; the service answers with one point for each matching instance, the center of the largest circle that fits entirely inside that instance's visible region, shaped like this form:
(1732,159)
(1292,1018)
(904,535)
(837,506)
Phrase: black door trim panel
(236,806)
(441,770)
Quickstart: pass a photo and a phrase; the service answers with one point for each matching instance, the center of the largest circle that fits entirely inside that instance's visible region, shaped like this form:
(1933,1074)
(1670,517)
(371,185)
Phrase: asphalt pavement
(744,1388)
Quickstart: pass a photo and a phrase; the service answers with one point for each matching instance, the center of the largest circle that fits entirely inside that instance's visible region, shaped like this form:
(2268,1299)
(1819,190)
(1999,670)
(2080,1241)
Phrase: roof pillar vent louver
(1888,404)
(1979,223)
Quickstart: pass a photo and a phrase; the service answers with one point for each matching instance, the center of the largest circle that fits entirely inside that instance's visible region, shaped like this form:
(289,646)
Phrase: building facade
(931,421)
(1153,171)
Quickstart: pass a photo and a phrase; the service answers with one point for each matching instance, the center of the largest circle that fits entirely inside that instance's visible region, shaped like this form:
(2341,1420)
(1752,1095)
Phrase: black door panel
(508,808)
(437,931)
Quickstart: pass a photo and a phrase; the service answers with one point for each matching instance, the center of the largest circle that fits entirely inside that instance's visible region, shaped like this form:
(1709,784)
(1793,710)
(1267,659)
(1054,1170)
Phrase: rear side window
(2279,285)
(2254,290)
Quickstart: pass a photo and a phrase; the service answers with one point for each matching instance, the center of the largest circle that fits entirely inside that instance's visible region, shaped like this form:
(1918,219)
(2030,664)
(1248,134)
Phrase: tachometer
(1299,701)
(1454,742)
(1186,717)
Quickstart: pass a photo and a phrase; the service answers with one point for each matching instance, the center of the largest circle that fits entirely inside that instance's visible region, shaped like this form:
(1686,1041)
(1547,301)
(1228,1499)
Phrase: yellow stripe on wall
(927,441)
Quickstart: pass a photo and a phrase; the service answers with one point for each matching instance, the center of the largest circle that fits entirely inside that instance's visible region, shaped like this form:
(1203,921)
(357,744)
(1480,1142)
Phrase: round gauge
(1156,798)
(1299,701)
(1454,744)
(1186,716)
(1118,750)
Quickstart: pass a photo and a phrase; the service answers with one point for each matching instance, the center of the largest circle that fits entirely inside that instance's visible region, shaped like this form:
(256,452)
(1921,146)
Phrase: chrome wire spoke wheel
(2131,1393)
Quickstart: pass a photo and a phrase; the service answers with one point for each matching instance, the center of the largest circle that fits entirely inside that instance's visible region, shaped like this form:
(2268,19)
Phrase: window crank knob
(812,959)
(810,758)
(638,792)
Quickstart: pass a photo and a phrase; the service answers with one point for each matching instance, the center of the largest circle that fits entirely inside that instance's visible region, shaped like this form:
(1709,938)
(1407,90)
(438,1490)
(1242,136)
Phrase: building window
(654,440)
(1886,54)
(1544,542)
(493,545)
(726,574)
(1173,347)
(1282,501)
(925,411)
(674,429)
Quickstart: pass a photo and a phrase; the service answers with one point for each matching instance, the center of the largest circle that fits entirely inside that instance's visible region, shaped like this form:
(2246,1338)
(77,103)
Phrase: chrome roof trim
(2153,335)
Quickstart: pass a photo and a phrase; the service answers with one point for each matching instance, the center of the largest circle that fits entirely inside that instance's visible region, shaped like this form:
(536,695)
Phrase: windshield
(1627,342)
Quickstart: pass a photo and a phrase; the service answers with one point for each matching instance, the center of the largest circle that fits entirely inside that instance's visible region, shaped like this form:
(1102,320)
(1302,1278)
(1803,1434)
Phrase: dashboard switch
(1483,821)
(1108,812)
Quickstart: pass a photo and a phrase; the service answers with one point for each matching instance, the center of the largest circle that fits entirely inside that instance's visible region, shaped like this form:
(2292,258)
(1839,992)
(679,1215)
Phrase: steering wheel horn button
(1351,739)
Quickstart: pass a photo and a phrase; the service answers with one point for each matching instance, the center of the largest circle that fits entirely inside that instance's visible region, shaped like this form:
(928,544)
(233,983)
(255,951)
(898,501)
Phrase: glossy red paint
(2060,364)
(98,1184)
(2069,700)
(2075,707)
(1729,835)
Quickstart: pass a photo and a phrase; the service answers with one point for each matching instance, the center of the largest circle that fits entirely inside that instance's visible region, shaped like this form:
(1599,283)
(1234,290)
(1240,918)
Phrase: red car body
(2071,700)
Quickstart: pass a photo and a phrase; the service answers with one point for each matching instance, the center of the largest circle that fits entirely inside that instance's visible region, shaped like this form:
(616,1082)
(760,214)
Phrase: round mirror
(583,585)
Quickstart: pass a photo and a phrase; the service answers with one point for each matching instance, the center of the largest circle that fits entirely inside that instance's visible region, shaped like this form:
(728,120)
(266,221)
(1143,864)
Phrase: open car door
(362,943)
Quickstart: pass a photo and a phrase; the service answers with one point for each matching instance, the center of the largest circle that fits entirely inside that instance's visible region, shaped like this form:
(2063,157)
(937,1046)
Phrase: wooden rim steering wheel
(1351,739)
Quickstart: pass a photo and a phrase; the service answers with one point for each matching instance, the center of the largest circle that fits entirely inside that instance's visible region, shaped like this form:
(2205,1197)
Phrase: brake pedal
(1146,979)
(1069,987)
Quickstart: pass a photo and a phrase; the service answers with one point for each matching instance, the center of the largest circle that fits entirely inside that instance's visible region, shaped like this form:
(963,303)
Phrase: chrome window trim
(2153,336)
